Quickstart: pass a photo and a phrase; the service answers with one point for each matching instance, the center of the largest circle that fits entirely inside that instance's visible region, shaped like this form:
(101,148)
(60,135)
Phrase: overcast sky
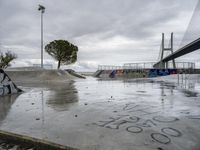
(111,32)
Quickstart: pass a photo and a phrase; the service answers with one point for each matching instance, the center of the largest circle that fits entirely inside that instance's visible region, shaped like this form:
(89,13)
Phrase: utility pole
(42,9)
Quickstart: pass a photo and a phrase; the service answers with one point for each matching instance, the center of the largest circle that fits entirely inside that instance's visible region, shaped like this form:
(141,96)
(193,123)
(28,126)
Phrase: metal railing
(147,65)
(108,67)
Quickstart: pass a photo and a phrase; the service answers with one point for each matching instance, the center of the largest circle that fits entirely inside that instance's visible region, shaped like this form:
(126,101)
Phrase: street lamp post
(42,9)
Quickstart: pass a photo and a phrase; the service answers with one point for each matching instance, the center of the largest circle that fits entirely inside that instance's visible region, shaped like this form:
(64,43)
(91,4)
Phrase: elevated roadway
(193,46)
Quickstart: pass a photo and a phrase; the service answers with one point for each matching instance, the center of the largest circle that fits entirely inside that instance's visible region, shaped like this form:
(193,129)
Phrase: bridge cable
(192,28)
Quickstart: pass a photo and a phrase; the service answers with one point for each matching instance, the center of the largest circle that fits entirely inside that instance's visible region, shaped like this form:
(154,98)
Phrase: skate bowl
(39,76)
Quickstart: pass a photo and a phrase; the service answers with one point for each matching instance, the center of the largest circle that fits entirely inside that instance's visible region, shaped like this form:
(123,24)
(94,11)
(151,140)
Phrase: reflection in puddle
(189,93)
(62,96)
(5,104)
(59,96)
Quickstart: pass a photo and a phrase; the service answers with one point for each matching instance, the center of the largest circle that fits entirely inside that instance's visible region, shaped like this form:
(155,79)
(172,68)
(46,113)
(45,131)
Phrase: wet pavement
(91,114)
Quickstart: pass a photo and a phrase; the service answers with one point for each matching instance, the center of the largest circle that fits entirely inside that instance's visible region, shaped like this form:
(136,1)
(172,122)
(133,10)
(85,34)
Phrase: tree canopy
(6,58)
(62,51)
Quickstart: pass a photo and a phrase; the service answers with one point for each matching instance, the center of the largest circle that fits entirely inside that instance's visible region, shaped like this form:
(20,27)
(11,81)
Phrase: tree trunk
(59,64)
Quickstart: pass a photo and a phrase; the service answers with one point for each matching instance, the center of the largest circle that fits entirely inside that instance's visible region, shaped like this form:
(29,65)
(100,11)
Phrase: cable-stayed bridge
(166,64)
(191,37)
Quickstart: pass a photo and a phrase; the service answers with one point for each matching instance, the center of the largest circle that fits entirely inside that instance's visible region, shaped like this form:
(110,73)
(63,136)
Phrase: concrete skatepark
(141,114)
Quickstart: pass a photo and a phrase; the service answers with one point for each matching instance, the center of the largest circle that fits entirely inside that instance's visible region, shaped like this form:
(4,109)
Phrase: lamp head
(42,8)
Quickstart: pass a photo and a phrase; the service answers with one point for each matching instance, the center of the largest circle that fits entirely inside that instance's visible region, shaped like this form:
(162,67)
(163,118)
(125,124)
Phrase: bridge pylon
(165,49)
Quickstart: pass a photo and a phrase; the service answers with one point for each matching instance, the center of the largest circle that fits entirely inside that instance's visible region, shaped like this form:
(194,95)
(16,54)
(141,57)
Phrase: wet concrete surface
(95,114)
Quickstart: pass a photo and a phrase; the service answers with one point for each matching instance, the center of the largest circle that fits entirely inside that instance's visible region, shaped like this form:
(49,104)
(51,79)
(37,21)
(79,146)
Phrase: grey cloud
(125,18)
(90,22)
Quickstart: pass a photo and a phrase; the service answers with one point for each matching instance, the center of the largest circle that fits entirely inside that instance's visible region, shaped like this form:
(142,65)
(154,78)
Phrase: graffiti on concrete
(136,73)
(6,85)
(134,129)
(136,125)
(165,119)
(133,118)
(171,132)
(161,72)
(116,122)
(160,138)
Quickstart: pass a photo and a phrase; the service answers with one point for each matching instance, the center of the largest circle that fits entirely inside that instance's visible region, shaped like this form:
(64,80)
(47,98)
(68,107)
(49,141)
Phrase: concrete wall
(142,73)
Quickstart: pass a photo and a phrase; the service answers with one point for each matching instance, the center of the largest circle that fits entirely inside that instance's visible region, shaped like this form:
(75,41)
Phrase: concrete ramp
(22,77)
(75,74)
(97,73)
(6,85)
(18,141)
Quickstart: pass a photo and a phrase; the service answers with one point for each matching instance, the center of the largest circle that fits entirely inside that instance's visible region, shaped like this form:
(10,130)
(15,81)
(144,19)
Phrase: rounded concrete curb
(37,144)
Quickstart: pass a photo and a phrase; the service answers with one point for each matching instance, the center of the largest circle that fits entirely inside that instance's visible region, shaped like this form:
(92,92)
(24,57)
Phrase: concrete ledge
(73,73)
(38,144)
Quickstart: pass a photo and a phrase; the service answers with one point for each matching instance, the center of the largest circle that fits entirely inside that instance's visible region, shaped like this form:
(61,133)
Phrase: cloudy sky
(111,32)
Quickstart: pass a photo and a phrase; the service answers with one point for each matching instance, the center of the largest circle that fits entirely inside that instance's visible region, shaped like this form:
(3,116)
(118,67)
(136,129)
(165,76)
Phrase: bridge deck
(195,45)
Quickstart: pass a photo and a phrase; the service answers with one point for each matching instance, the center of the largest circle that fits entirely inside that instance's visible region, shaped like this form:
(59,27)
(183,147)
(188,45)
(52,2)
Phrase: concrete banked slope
(6,85)
(37,76)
